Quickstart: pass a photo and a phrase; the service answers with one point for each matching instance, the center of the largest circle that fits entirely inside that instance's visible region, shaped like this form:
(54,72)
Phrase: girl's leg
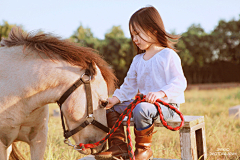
(117,142)
(145,113)
(168,114)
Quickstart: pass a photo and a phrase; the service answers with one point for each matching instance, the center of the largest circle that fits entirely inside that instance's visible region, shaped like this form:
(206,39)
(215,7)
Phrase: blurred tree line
(213,57)
(5,28)
(206,57)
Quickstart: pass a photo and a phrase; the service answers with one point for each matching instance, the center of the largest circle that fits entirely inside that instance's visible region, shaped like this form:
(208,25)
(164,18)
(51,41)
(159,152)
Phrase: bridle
(84,79)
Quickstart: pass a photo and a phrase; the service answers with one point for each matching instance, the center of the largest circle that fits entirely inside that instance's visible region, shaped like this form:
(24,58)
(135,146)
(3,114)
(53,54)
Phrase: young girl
(156,72)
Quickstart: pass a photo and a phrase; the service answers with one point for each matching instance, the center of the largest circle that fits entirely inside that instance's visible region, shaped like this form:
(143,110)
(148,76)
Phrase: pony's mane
(50,45)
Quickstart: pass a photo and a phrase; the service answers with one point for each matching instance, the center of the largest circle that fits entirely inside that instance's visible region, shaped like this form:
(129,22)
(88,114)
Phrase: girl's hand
(151,97)
(111,102)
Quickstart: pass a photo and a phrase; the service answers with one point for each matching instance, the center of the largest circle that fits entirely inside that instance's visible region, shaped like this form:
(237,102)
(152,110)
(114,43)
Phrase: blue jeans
(145,113)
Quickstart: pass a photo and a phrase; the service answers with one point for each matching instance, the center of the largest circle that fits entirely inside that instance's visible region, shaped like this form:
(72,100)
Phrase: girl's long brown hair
(149,20)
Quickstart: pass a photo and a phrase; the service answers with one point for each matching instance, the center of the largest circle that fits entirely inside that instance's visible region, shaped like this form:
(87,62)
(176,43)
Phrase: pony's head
(75,113)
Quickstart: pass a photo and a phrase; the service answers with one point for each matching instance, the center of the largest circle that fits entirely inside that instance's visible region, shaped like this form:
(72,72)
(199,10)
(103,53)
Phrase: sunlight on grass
(222,131)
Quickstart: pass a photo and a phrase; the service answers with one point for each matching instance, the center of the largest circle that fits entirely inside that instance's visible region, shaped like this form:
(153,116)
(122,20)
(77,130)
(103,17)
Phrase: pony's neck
(54,82)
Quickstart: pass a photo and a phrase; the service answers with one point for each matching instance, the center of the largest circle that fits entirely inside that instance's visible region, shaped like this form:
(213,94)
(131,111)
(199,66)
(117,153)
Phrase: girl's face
(141,38)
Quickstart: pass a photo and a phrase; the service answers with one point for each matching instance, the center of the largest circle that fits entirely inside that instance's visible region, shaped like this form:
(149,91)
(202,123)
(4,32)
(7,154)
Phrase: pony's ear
(92,69)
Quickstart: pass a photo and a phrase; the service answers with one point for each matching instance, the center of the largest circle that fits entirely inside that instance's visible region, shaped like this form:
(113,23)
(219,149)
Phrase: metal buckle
(68,142)
(90,118)
(85,80)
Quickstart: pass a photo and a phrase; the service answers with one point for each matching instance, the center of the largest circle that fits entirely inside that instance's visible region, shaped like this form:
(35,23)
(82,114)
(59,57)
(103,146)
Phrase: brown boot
(143,144)
(117,144)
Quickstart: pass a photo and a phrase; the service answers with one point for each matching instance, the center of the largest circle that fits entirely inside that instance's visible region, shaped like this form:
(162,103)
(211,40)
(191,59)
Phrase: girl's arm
(175,79)
(129,87)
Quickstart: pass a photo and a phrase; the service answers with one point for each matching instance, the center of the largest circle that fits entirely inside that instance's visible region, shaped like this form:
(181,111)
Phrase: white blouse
(162,72)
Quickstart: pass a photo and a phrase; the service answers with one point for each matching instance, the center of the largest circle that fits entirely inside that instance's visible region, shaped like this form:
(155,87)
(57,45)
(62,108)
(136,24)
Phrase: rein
(128,112)
(84,79)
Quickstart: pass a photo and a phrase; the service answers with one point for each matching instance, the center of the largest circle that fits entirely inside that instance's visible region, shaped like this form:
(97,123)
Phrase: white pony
(35,70)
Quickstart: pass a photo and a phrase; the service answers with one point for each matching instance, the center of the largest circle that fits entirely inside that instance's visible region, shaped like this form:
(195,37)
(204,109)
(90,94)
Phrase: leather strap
(68,134)
(89,98)
(69,91)
(100,126)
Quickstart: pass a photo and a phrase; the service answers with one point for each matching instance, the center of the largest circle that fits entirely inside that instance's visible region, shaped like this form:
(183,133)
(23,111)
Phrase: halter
(84,79)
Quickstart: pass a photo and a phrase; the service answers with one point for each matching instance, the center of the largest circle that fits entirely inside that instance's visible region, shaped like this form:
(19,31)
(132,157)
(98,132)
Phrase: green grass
(222,131)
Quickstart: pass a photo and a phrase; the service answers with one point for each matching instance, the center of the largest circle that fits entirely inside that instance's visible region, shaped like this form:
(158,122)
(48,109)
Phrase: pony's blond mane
(69,51)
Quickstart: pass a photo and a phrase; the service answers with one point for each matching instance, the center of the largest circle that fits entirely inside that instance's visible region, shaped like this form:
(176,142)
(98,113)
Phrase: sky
(63,17)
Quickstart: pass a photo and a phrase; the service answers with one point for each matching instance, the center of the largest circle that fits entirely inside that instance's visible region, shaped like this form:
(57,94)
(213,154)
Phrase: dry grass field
(222,131)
